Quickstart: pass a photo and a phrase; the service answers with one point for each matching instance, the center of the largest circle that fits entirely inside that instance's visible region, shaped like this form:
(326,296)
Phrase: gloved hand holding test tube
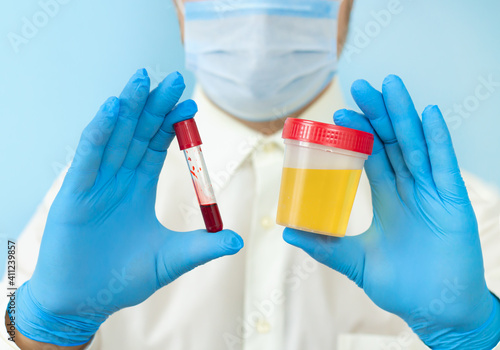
(109,196)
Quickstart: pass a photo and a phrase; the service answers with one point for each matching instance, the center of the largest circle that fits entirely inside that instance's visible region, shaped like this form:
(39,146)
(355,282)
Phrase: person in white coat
(104,252)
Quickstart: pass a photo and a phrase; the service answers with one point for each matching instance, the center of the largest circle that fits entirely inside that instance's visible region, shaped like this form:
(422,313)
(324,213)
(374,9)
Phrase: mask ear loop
(180,6)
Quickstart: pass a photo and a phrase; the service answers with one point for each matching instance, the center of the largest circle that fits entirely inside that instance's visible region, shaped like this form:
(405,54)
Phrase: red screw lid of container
(328,135)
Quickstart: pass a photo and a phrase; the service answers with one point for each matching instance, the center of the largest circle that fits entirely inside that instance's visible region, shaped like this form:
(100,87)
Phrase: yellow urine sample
(317,200)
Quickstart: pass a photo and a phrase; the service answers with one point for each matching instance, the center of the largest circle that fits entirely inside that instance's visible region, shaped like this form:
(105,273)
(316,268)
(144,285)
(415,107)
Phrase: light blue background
(52,87)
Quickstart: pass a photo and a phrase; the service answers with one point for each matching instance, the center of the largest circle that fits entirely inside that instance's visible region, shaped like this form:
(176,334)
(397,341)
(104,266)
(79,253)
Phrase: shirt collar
(227,143)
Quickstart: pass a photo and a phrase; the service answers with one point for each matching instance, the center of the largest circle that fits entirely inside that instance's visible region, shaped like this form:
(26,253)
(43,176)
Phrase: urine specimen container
(321,171)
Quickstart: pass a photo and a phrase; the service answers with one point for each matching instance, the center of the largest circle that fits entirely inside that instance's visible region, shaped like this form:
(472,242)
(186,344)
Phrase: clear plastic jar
(321,172)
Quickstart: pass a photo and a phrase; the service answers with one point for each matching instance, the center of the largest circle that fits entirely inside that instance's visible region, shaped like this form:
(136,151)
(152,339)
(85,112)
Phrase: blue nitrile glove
(421,258)
(103,248)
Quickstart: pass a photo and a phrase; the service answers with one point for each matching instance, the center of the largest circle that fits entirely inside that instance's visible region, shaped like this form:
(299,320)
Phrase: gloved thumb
(183,251)
(345,254)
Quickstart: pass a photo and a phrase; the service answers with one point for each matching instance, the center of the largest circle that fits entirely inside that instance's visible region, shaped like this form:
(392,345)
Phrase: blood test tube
(190,142)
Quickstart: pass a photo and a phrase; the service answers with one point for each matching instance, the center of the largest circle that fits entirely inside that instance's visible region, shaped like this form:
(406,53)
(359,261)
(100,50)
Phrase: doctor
(116,231)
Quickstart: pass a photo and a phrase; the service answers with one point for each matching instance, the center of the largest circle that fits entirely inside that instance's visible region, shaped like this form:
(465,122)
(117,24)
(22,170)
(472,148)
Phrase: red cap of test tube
(187,134)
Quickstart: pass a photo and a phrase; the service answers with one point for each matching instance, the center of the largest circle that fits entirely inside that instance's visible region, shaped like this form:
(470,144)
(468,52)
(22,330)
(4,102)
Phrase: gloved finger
(183,251)
(132,101)
(377,166)
(183,111)
(88,155)
(152,162)
(345,255)
(371,102)
(408,129)
(445,169)
(159,103)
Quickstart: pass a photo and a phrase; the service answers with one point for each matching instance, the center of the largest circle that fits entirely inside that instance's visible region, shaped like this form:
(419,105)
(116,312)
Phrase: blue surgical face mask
(261,59)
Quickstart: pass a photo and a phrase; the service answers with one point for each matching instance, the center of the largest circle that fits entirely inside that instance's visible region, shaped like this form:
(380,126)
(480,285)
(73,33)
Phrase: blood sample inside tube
(211,216)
